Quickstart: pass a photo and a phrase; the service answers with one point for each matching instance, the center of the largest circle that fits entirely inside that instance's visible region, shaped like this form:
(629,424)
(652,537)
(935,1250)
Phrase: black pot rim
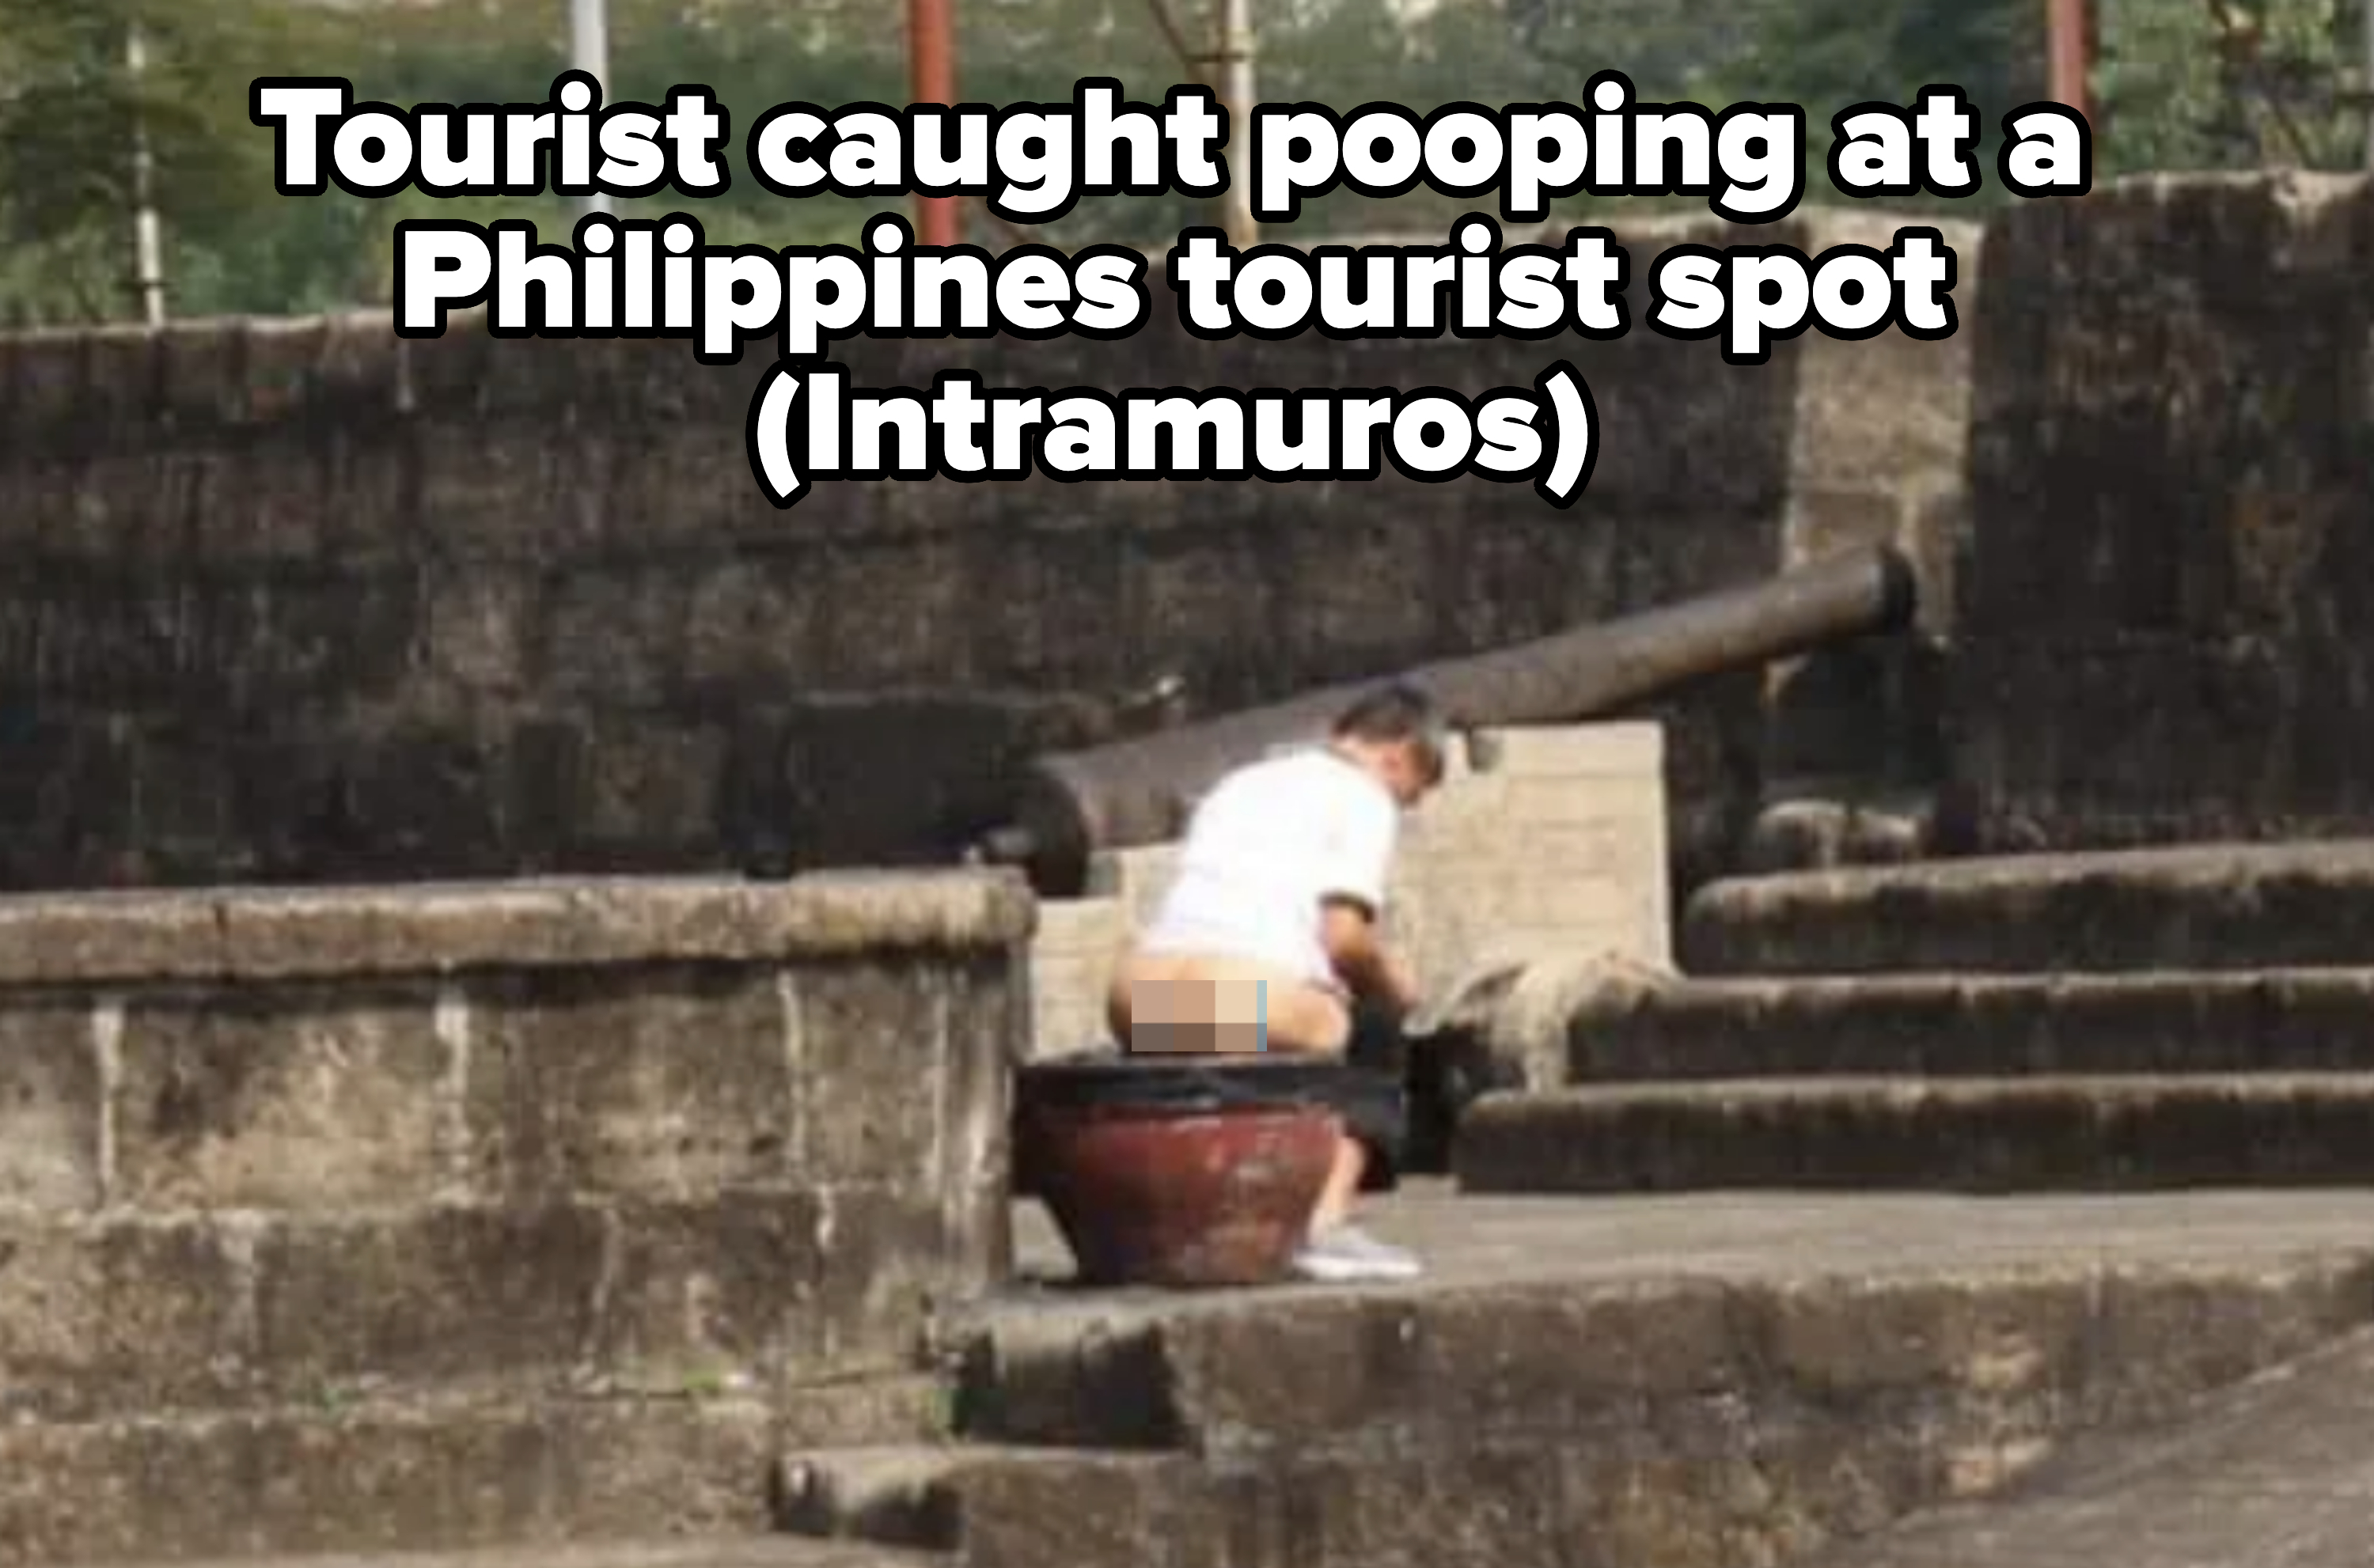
(1180,1085)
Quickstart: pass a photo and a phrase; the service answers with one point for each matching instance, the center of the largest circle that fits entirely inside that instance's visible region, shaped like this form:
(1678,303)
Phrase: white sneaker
(1344,1253)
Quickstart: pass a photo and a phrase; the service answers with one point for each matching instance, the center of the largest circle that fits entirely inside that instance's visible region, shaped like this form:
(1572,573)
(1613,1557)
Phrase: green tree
(2231,84)
(69,104)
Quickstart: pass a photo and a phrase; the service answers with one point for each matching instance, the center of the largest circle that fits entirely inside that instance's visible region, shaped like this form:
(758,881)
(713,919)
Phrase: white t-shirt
(1265,849)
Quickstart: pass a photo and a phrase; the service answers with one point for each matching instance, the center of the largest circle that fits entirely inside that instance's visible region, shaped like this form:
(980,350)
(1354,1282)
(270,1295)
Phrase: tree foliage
(2233,83)
(69,104)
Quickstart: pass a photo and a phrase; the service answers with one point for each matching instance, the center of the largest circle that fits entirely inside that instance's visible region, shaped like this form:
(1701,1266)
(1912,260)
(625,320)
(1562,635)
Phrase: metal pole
(148,250)
(932,79)
(589,49)
(2068,29)
(1229,72)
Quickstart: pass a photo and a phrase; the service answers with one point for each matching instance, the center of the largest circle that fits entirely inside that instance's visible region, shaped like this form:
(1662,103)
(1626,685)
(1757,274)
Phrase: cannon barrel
(1139,791)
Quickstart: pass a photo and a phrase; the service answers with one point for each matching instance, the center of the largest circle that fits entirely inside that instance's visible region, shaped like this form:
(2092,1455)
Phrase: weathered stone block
(527,498)
(2003,1342)
(1357,586)
(641,802)
(105,1317)
(688,479)
(752,617)
(615,631)
(885,1266)
(869,1055)
(1041,595)
(307,1099)
(52,1110)
(1185,586)
(479,626)
(1072,962)
(669,1084)
(452,1293)
(336,1477)
(988,1017)
(893,614)
(722,1287)
(687,1467)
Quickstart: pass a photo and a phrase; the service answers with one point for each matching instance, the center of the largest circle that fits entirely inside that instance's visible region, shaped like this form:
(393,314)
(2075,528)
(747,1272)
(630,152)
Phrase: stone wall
(2161,621)
(334,1218)
(297,600)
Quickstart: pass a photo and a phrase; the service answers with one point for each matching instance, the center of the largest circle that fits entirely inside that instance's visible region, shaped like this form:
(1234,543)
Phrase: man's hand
(1367,967)
(1399,984)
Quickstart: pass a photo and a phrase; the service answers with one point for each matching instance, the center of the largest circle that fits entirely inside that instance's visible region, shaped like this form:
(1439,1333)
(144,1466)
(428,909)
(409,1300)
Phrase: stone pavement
(1765,1236)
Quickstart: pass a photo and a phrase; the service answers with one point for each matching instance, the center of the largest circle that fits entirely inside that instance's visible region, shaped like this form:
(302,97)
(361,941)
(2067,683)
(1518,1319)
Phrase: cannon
(1139,791)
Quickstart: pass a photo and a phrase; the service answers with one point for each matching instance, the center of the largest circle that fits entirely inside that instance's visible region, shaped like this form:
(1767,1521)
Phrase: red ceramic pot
(1189,1194)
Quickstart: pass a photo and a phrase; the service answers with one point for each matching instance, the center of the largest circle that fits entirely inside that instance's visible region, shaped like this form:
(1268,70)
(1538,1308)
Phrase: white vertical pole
(2369,83)
(589,30)
(1229,74)
(148,248)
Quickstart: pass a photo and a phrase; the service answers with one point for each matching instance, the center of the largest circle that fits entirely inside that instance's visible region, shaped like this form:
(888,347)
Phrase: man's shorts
(1373,1098)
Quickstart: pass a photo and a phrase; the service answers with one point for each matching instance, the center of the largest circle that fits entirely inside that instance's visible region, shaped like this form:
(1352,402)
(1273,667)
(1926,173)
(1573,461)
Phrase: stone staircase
(1695,1384)
(2188,1016)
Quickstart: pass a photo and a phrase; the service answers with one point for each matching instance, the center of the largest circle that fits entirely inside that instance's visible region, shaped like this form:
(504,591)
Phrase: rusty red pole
(2069,32)
(932,75)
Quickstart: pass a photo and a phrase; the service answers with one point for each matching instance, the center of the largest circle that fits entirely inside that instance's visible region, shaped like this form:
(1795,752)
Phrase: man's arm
(1348,929)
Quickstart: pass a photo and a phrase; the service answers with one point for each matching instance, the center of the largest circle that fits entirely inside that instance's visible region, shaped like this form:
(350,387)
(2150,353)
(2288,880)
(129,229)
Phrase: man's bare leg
(1343,1184)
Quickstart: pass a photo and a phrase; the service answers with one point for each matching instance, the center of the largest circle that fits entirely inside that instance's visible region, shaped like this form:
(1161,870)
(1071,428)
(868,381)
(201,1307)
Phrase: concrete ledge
(648,1082)
(2301,1019)
(281,933)
(2068,1133)
(2200,906)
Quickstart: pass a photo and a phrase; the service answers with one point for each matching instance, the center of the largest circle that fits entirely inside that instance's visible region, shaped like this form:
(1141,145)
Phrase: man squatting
(1268,940)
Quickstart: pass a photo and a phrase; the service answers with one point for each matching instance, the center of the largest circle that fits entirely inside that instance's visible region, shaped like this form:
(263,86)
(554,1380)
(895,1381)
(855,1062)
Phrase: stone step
(1470,1421)
(1975,1024)
(1977,1134)
(384,1473)
(1005,1507)
(1575,1318)
(2186,906)
(120,1313)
